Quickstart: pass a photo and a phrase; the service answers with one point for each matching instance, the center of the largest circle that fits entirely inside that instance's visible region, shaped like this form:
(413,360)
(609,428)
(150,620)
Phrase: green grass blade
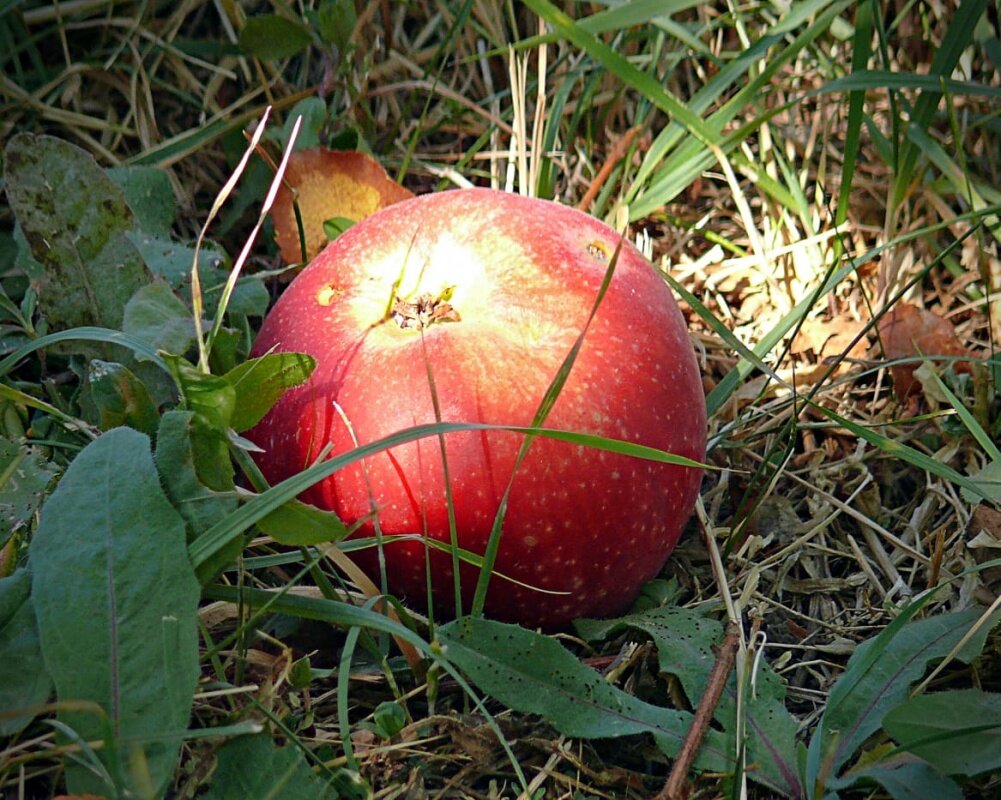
(84,334)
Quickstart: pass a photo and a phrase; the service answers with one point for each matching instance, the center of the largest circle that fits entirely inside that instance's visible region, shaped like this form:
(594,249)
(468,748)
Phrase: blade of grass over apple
(216,537)
(453,531)
(541,413)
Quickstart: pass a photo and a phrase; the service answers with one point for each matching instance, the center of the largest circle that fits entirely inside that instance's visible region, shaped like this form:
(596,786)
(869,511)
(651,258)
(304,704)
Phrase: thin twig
(676,787)
(618,153)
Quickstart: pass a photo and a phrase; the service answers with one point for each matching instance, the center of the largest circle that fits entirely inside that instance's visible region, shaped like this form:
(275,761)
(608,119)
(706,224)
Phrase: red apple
(490,290)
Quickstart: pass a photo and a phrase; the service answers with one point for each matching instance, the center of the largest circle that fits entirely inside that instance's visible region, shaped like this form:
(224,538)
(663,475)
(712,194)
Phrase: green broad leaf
(197,475)
(121,398)
(908,779)
(336,20)
(390,718)
(226,350)
(210,396)
(957,732)
(25,475)
(877,679)
(24,681)
(24,261)
(156,316)
(260,382)
(297,524)
(250,297)
(148,193)
(173,261)
(685,640)
(270,37)
(313,111)
(76,221)
(116,600)
(252,766)
(533,673)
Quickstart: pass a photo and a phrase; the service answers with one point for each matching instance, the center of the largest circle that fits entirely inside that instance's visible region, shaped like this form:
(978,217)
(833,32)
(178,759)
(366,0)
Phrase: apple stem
(423,312)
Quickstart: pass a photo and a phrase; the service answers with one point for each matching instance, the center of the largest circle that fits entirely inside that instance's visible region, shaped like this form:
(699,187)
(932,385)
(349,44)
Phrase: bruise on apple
(584,528)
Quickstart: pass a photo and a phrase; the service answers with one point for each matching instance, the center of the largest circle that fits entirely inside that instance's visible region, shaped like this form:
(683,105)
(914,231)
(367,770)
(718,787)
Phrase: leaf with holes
(76,222)
(25,476)
(685,639)
(533,673)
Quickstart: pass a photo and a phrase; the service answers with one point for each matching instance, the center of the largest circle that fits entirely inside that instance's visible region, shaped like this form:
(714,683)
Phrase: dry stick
(618,153)
(676,787)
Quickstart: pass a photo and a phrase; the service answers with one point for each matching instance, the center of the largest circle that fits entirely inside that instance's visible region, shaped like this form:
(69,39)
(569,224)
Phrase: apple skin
(589,527)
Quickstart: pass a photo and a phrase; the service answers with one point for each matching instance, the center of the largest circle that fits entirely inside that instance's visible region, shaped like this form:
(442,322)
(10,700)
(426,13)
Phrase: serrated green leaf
(116,598)
(271,37)
(24,680)
(156,316)
(121,398)
(260,382)
(533,673)
(75,220)
(958,732)
(148,193)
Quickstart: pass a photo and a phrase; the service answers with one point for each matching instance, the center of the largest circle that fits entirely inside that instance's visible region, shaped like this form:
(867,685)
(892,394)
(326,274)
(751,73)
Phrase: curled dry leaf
(911,332)
(328,184)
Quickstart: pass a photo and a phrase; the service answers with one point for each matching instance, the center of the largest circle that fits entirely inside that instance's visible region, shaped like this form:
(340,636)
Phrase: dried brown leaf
(908,332)
(328,184)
